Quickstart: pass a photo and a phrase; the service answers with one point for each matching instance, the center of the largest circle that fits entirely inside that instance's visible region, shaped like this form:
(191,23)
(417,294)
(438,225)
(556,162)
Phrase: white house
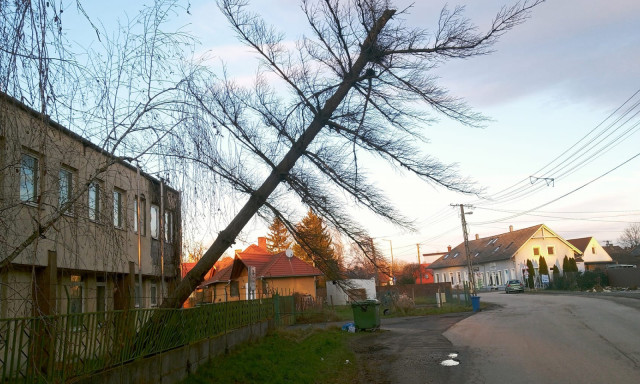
(496,259)
(346,291)
(593,255)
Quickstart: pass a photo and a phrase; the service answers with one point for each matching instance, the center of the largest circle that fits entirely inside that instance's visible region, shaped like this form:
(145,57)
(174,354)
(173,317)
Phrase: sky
(551,90)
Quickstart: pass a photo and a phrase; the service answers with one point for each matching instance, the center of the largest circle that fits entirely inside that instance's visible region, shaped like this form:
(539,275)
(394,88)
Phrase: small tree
(566,266)
(532,273)
(543,269)
(573,265)
(278,238)
(314,245)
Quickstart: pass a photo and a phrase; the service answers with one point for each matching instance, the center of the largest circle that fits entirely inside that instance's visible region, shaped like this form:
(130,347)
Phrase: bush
(403,304)
(590,279)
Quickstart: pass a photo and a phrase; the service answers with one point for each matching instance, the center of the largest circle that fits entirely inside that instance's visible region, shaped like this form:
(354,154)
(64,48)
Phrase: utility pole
(375,259)
(465,233)
(391,248)
(419,265)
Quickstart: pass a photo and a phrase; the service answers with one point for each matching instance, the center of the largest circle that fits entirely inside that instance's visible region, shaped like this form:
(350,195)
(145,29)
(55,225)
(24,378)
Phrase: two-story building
(499,258)
(77,224)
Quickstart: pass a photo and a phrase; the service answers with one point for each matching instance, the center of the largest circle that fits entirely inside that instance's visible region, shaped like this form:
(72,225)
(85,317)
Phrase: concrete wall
(175,365)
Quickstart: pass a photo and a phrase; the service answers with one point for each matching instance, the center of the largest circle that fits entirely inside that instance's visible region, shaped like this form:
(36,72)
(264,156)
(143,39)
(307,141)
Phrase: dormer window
(496,250)
(456,255)
(476,255)
(447,255)
(492,241)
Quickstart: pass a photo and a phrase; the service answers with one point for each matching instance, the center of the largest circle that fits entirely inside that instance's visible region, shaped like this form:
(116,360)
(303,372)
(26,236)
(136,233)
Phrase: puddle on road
(453,355)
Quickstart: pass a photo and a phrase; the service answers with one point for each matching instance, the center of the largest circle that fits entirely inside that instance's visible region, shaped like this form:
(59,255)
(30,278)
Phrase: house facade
(113,226)
(594,256)
(499,258)
(257,273)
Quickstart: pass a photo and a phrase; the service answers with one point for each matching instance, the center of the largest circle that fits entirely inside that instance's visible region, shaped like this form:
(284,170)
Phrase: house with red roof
(257,273)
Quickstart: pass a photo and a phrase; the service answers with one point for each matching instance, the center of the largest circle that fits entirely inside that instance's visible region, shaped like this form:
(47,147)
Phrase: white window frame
(65,174)
(154,221)
(94,206)
(118,219)
(30,184)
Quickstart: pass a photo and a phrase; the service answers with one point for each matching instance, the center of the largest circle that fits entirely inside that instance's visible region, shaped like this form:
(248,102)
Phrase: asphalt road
(540,338)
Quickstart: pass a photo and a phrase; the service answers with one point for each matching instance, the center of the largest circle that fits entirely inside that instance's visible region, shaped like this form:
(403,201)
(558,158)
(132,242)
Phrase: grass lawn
(286,356)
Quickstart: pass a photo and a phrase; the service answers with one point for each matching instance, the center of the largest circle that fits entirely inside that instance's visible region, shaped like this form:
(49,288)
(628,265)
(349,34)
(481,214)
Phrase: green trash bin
(366,314)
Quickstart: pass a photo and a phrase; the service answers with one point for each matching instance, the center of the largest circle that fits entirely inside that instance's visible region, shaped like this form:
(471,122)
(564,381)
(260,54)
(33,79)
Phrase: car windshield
(514,282)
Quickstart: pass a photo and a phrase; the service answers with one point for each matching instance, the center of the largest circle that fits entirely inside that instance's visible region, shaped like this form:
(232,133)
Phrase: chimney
(238,251)
(477,237)
(262,243)
(449,248)
(511,228)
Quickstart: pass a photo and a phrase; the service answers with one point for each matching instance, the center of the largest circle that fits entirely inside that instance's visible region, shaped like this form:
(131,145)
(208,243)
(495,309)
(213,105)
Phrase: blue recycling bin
(475,303)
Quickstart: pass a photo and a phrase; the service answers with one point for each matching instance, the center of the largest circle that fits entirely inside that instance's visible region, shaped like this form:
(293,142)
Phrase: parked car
(513,286)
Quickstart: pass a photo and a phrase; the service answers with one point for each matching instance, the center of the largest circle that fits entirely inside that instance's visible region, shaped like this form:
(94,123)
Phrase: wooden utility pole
(465,233)
(419,265)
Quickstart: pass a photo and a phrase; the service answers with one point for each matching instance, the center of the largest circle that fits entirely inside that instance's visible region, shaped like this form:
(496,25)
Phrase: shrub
(590,279)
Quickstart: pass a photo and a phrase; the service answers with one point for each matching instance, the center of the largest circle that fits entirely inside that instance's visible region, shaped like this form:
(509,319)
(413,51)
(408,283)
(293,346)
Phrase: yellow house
(257,273)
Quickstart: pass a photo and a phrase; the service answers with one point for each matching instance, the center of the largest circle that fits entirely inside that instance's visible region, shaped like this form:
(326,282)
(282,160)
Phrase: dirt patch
(408,350)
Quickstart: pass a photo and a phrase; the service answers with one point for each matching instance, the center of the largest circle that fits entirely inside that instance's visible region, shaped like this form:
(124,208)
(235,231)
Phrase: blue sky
(550,82)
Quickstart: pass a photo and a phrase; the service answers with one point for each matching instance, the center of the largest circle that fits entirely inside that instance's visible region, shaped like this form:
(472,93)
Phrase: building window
(536,251)
(75,300)
(168,226)
(458,275)
(101,299)
(94,202)
(154,295)
(550,251)
(143,215)
(154,220)
(117,208)
(451,277)
(593,250)
(234,289)
(28,179)
(65,178)
(138,294)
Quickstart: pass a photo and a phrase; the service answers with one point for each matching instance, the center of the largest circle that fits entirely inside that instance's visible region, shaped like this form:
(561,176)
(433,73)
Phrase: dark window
(550,251)
(235,289)
(536,251)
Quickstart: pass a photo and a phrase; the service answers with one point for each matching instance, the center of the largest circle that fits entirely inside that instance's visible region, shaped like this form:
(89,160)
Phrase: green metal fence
(56,348)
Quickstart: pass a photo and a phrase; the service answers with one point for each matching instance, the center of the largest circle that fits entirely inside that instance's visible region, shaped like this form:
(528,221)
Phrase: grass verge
(286,356)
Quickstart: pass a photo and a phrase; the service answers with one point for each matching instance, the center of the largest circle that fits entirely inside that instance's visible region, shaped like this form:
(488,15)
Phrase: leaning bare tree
(359,85)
